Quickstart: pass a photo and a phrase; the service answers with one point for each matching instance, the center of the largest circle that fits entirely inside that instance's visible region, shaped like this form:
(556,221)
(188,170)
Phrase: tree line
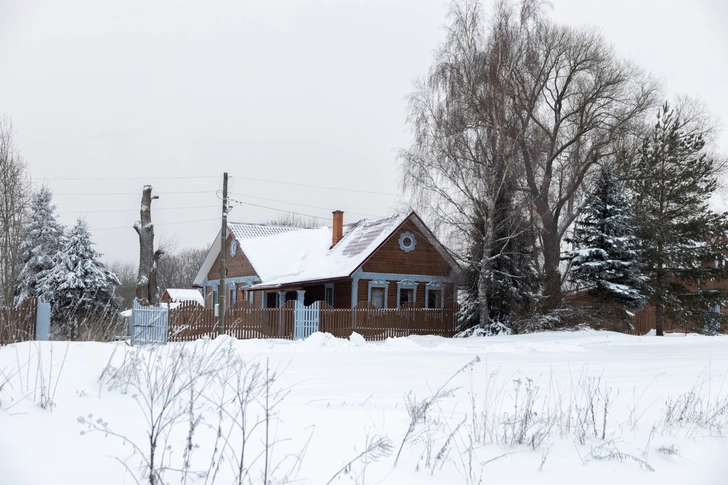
(530,136)
(42,258)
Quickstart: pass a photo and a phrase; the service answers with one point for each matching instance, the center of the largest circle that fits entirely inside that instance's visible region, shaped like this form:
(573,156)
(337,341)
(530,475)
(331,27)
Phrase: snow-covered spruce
(42,241)
(79,285)
(605,255)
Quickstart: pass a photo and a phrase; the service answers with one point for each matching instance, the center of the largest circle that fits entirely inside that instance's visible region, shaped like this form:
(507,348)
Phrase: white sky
(306,92)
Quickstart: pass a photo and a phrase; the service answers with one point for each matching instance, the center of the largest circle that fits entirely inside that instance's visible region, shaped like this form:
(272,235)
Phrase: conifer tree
(42,240)
(683,245)
(605,255)
(512,278)
(78,286)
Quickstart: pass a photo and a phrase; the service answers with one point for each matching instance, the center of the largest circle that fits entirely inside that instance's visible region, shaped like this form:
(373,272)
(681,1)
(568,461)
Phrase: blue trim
(406,283)
(434,286)
(327,287)
(379,283)
(355,287)
(402,237)
(400,277)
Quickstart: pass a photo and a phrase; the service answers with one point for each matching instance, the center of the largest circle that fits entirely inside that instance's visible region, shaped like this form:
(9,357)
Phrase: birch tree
(14,201)
(460,168)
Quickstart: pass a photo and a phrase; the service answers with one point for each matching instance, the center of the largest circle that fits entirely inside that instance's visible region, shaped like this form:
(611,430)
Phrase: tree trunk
(147,292)
(658,320)
(484,277)
(551,258)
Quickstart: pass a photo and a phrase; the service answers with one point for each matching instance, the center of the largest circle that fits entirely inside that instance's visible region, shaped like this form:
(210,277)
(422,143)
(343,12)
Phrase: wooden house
(387,261)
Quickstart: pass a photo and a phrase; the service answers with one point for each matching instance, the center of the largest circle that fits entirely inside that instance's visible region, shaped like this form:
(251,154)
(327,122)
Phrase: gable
(424,259)
(238,265)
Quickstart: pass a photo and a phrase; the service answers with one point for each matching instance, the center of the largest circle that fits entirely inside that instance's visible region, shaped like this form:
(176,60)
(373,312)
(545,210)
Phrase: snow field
(506,409)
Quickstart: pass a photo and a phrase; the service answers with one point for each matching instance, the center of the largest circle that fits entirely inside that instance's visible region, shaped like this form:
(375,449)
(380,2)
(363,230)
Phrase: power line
(343,189)
(239,202)
(137,210)
(317,186)
(155,224)
(297,204)
(137,193)
(130,178)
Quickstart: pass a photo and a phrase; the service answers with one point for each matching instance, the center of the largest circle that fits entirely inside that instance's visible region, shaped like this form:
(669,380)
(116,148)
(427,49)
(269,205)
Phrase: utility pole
(222,291)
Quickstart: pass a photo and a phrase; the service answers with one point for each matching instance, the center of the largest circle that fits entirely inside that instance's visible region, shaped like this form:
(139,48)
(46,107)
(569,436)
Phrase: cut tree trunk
(147,291)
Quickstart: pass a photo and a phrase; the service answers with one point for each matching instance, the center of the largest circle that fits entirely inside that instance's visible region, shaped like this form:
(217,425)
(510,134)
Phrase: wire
(130,178)
(155,224)
(136,210)
(239,202)
(134,193)
(214,177)
(297,204)
(317,186)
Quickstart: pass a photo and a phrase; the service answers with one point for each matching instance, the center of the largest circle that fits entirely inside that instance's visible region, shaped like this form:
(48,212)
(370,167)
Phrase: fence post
(43,321)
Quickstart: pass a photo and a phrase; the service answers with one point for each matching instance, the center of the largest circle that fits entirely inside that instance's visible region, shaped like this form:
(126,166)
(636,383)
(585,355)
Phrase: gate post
(43,321)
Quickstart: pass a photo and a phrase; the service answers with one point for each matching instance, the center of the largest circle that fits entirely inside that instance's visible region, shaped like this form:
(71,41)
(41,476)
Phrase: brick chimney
(337,230)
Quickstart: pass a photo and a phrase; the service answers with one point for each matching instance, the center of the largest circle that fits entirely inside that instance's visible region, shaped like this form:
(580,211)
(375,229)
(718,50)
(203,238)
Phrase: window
(406,295)
(329,295)
(378,297)
(434,294)
(270,299)
(378,290)
(434,299)
(407,242)
(406,292)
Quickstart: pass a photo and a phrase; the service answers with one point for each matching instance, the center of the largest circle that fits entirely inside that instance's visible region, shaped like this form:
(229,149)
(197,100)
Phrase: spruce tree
(605,256)
(79,286)
(512,277)
(43,238)
(683,244)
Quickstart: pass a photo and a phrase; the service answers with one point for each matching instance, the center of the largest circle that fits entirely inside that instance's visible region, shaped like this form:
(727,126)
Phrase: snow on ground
(336,396)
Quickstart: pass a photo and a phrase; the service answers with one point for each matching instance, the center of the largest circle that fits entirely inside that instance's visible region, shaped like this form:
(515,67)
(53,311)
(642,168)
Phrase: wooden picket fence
(380,324)
(17,324)
(244,321)
(189,321)
(646,320)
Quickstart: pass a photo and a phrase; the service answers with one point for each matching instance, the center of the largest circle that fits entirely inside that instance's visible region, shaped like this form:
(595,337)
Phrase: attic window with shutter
(233,247)
(407,242)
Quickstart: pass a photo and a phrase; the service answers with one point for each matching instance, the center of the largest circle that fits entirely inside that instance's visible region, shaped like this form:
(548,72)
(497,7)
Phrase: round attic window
(407,241)
(233,247)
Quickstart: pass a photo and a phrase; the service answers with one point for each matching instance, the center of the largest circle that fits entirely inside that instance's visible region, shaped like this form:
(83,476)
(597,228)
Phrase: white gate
(149,324)
(306,320)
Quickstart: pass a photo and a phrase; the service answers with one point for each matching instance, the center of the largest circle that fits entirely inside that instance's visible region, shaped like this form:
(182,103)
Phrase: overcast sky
(107,96)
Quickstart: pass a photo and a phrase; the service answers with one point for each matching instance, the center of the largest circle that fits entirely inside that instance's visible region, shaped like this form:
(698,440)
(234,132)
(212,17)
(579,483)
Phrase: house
(174,296)
(387,261)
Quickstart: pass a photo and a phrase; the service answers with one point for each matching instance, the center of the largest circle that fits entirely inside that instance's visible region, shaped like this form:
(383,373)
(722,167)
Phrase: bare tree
(576,103)
(519,101)
(294,219)
(461,168)
(178,269)
(127,273)
(14,202)
(147,289)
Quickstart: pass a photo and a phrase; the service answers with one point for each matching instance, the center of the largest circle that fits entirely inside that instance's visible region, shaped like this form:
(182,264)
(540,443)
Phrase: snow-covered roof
(240,231)
(304,256)
(249,231)
(290,255)
(177,295)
